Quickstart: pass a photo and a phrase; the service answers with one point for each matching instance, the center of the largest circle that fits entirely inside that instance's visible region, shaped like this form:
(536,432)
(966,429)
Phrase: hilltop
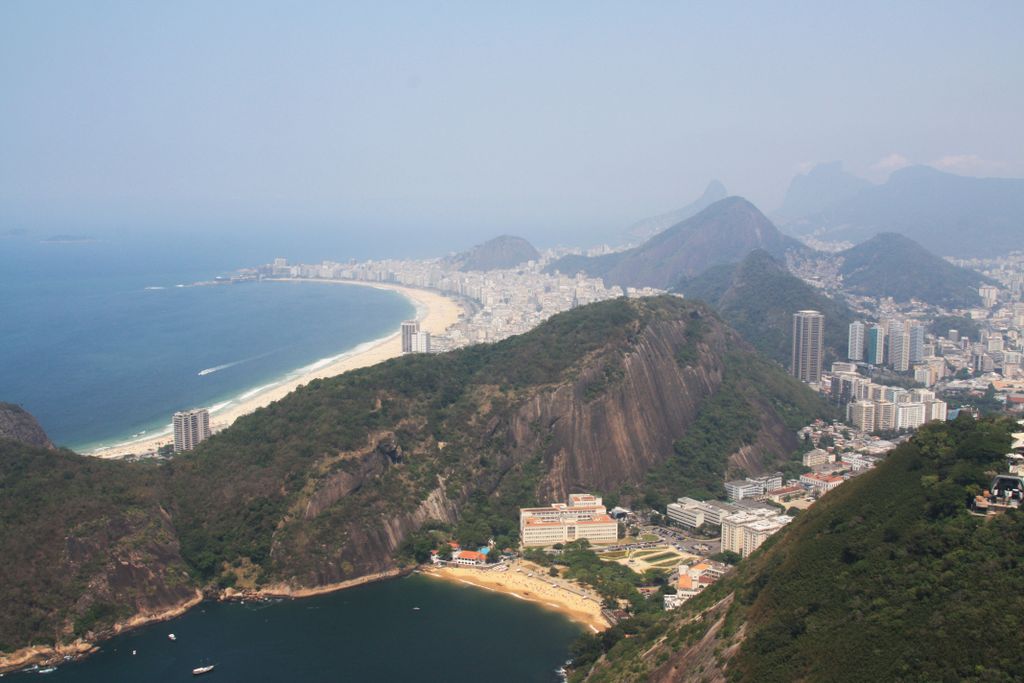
(332,483)
(648,227)
(889,264)
(725,232)
(758,298)
(500,253)
(819,188)
(18,424)
(954,215)
(886,578)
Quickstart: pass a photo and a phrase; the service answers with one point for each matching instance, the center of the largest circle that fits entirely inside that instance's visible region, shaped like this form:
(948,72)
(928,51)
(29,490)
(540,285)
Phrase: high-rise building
(899,347)
(876,345)
(190,428)
(916,334)
(855,341)
(409,329)
(862,415)
(808,343)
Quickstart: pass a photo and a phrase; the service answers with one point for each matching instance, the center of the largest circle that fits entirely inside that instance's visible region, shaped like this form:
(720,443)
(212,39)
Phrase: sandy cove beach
(435,312)
(536,588)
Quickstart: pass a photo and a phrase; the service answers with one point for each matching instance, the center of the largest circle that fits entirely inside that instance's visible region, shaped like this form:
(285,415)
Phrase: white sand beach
(434,311)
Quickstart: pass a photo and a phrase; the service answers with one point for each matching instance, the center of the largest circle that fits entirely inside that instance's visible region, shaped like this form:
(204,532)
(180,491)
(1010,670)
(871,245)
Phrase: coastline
(52,655)
(583,609)
(434,311)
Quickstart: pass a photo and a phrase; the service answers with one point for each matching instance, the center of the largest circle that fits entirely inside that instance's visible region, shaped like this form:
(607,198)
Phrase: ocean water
(366,634)
(99,343)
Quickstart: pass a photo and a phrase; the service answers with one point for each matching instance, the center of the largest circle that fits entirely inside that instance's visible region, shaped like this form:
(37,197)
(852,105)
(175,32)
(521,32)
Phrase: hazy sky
(548,119)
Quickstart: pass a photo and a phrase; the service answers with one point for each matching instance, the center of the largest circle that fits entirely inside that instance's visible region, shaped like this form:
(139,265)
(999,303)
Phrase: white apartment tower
(808,343)
(855,342)
(190,428)
(410,328)
(899,347)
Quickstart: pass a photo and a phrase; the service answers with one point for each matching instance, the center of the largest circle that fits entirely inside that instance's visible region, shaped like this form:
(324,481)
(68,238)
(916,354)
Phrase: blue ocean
(99,343)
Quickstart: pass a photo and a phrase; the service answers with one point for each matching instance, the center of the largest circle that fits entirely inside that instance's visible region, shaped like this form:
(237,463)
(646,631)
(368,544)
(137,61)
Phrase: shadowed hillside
(725,232)
(328,484)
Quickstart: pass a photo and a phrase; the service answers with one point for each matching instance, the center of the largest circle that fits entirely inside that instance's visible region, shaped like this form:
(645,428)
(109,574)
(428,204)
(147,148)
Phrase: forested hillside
(889,577)
(332,482)
(758,298)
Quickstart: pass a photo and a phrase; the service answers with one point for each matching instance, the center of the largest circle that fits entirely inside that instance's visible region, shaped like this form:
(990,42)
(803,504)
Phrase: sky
(444,122)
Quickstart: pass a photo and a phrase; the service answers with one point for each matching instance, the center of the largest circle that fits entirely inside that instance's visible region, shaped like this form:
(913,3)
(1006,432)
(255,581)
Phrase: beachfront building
(410,332)
(584,516)
(190,428)
(469,558)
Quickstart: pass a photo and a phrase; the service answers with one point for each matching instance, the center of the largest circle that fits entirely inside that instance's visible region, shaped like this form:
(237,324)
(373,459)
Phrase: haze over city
(577,342)
(558,122)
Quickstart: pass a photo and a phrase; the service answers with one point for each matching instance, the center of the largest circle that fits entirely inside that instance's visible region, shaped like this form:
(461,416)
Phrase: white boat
(47,670)
(200,670)
(171,636)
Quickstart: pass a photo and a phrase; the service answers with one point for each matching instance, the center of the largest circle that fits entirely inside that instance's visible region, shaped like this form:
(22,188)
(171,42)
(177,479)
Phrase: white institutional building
(583,517)
(744,532)
(190,428)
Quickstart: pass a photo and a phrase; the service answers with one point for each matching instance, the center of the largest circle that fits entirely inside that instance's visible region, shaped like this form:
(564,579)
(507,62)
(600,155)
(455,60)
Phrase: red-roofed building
(469,558)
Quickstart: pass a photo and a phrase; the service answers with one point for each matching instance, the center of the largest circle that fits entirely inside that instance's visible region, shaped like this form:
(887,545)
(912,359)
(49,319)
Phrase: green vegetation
(729,420)
(967,328)
(889,577)
(890,264)
(758,298)
(64,520)
(357,474)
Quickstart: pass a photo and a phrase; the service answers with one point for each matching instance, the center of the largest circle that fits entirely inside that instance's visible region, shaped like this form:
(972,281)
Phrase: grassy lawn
(662,556)
(649,538)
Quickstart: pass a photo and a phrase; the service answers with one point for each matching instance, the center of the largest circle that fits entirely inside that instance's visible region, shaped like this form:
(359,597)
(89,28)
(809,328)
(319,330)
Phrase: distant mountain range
(649,227)
(500,253)
(953,215)
(819,188)
(758,298)
(725,232)
(893,265)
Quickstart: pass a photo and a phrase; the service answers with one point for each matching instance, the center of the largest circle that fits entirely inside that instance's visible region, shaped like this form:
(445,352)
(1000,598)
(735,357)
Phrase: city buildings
(875,345)
(694,514)
(410,329)
(855,341)
(820,483)
(190,428)
(752,487)
(808,345)
(744,532)
(583,517)
(818,456)
(899,347)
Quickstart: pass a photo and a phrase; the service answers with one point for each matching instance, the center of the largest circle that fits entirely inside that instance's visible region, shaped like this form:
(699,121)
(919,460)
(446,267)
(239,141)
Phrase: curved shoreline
(583,607)
(435,312)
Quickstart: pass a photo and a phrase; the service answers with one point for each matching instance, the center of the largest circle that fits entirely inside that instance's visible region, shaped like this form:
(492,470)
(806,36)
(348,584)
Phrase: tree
(727,556)
(553,571)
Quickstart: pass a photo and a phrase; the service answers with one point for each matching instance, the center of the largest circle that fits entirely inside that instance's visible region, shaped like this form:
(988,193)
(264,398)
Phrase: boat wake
(218,368)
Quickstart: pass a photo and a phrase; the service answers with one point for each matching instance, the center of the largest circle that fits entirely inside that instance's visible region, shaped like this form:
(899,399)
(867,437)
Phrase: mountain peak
(823,185)
(724,232)
(891,264)
(499,253)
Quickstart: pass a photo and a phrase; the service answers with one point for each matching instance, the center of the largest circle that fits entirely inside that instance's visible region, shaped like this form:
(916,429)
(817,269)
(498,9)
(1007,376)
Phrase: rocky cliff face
(326,485)
(16,423)
(612,417)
